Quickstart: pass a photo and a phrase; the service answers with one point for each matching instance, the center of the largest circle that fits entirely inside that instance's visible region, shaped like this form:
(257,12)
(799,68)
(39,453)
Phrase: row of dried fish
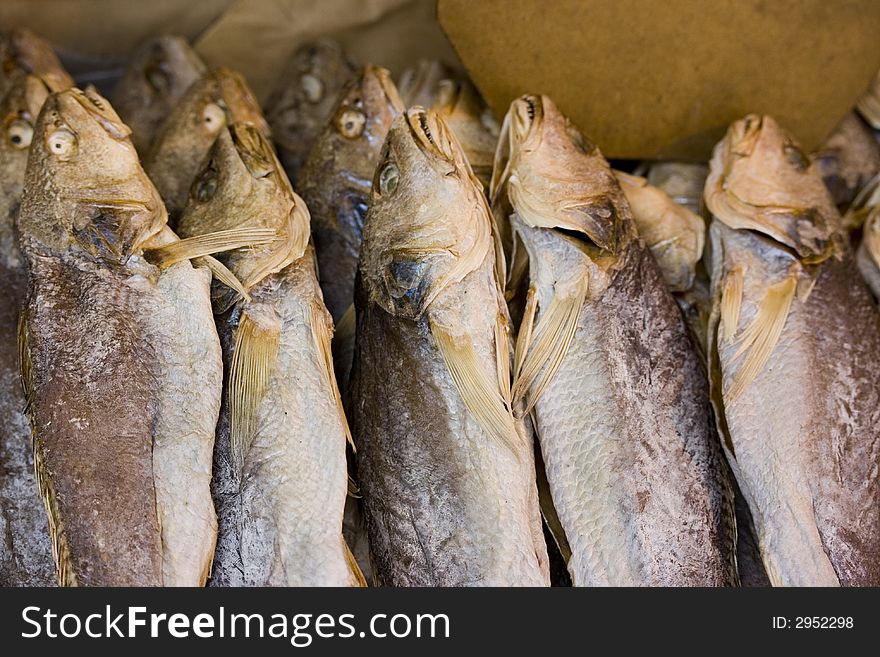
(700,419)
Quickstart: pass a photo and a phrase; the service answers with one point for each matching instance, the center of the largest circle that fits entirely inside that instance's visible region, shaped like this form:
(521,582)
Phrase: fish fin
(292,246)
(479,392)
(222,274)
(63,563)
(731,302)
(201,245)
(24,364)
(760,337)
(552,338)
(353,565)
(323,337)
(502,357)
(524,338)
(256,347)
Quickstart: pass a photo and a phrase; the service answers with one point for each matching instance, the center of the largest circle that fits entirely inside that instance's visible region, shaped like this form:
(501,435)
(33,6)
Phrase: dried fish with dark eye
(218,99)
(305,101)
(155,79)
(280,477)
(792,333)
(26,554)
(446,470)
(606,369)
(120,360)
(335,180)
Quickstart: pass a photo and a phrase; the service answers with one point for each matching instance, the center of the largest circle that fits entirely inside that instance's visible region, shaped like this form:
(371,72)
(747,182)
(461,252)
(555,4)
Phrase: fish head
(419,84)
(461,106)
(84,187)
(428,224)
(19,111)
(22,51)
(761,180)
(366,108)
(554,177)
(242,184)
(317,72)
(156,78)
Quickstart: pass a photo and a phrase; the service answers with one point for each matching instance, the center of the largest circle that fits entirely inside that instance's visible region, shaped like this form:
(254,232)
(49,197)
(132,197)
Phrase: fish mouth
(745,134)
(528,112)
(238,101)
(101,111)
(254,150)
(431,134)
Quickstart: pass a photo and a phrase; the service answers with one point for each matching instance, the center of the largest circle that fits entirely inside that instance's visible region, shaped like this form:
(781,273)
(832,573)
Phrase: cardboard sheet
(645,78)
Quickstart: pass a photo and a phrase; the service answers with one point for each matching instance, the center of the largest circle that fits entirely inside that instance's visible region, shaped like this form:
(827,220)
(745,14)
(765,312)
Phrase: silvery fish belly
(605,365)
(280,477)
(281,519)
(119,358)
(26,552)
(792,341)
(868,255)
(446,471)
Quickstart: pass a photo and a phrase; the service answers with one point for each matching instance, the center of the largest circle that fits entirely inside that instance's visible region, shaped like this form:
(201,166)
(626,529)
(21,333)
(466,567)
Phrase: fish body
(280,476)
(306,99)
(446,471)
(219,98)
(155,79)
(336,178)
(605,364)
(791,339)
(121,400)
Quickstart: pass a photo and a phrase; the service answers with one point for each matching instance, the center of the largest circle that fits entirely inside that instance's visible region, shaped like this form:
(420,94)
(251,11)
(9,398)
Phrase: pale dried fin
(253,359)
(293,242)
(477,388)
(502,357)
(201,245)
(222,274)
(552,338)
(761,335)
(524,339)
(322,334)
(353,565)
(731,302)
(60,551)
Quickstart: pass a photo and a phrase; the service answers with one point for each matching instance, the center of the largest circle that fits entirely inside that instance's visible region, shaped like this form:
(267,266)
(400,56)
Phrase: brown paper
(664,79)
(257,37)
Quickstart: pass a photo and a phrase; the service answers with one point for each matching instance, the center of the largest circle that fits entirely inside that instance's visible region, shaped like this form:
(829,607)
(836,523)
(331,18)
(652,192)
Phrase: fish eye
(62,143)
(389,176)
(157,79)
(19,133)
(206,187)
(351,123)
(312,87)
(796,157)
(213,117)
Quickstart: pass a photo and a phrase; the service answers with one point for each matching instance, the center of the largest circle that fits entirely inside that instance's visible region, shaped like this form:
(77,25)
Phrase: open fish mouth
(430,133)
